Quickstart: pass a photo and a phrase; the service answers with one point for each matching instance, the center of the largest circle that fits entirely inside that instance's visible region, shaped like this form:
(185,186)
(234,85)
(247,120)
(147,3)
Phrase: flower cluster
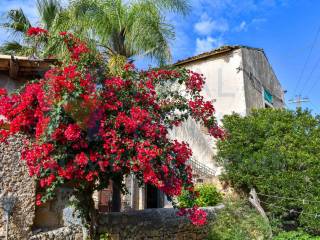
(203,111)
(75,46)
(88,128)
(36,31)
(73,132)
(195,81)
(197,216)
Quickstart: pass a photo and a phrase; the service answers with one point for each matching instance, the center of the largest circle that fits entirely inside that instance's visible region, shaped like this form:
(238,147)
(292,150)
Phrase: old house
(238,79)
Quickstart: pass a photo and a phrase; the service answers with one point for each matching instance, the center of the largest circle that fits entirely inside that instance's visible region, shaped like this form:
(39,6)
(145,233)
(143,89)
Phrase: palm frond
(128,28)
(15,48)
(147,33)
(16,23)
(48,10)
(179,6)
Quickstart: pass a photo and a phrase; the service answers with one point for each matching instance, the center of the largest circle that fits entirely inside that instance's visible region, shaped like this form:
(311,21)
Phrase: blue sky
(285,29)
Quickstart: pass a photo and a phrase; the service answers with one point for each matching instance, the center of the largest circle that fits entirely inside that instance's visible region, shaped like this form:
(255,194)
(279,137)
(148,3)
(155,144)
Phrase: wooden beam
(14,68)
(4,64)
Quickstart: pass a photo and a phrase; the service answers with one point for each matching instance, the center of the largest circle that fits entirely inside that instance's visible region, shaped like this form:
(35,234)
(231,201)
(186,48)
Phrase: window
(268,96)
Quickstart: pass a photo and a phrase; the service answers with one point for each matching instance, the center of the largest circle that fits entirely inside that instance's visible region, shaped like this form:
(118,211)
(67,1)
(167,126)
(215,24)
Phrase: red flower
(91,175)
(3,92)
(36,31)
(81,159)
(195,82)
(78,50)
(73,132)
(129,67)
(66,173)
(38,199)
(197,216)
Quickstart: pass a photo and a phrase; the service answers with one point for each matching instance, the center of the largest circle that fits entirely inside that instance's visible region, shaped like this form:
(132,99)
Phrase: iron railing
(201,169)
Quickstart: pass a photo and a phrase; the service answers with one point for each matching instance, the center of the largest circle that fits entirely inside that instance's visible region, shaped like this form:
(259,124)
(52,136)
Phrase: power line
(313,85)
(315,67)
(307,60)
(314,106)
(299,100)
(316,215)
(288,198)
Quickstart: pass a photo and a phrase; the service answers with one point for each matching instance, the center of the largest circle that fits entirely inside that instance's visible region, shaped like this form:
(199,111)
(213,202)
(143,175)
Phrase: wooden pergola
(24,67)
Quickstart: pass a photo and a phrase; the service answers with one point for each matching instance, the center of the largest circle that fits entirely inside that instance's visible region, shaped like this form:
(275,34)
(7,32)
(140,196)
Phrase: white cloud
(207,44)
(206,26)
(258,20)
(243,26)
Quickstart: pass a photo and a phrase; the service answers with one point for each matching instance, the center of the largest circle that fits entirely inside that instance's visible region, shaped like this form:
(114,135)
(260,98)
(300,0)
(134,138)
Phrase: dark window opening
(152,197)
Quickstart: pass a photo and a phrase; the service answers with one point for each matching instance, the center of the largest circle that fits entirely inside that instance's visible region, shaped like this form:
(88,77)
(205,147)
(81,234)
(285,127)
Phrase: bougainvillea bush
(86,127)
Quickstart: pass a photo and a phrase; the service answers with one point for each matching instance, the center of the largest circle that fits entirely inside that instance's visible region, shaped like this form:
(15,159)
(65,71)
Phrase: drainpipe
(132,191)
(7,225)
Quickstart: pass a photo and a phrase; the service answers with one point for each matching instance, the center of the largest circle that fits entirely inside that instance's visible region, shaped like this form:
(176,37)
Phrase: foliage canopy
(277,152)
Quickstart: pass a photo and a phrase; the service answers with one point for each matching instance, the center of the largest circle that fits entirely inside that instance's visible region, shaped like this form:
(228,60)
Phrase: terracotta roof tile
(215,52)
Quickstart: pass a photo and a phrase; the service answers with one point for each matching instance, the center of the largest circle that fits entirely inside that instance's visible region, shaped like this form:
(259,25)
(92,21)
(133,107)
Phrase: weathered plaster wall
(8,83)
(153,224)
(15,180)
(225,86)
(259,75)
(224,82)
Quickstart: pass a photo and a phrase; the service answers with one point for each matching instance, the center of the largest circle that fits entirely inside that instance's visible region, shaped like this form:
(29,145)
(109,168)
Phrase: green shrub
(104,236)
(277,152)
(238,221)
(295,235)
(208,196)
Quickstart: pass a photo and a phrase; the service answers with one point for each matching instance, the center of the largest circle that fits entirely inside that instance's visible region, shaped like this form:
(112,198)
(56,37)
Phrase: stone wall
(15,181)
(63,233)
(153,224)
(29,222)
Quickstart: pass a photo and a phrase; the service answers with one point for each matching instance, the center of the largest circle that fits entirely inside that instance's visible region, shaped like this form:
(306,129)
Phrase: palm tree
(17,23)
(125,29)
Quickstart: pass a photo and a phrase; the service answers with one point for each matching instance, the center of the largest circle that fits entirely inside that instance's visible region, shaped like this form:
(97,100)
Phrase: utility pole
(299,100)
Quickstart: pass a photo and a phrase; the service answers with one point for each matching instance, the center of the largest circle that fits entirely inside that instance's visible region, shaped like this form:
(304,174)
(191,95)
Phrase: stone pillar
(15,181)
(141,198)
